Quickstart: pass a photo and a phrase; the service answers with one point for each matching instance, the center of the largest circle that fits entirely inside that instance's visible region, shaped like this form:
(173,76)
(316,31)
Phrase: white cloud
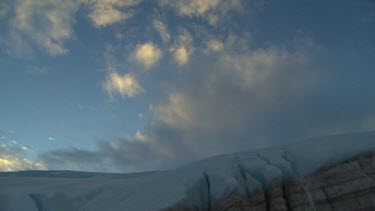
(140,136)
(185,38)
(210,10)
(214,45)
(184,48)
(13,146)
(14,163)
(107,12)
(51,138)
(47,23)
(162,29)
(12,160)
(147,54)
(125,85)
(119,35)
(177,111)
(181,55)
(253,69)
(193,7)
(24,148)
(37,70)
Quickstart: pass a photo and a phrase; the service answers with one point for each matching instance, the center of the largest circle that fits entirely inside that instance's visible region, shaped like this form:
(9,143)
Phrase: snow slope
(66,190)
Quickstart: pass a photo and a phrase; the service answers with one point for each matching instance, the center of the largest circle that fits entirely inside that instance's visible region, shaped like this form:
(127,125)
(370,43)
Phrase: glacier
(196,186)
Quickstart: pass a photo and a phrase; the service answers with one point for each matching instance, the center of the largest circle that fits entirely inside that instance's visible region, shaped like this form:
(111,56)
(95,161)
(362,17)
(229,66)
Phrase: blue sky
(130,85)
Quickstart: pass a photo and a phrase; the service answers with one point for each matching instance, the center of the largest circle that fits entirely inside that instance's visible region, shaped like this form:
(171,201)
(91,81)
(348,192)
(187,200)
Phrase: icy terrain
(64,190)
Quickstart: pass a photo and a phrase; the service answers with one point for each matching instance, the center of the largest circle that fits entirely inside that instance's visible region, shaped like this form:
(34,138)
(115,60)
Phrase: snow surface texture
(73,191)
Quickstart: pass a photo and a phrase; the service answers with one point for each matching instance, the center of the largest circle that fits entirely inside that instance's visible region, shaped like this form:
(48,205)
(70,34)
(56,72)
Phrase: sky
(139,85)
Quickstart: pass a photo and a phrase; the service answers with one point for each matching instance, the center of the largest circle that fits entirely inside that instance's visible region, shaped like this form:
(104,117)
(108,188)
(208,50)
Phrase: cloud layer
(225,108)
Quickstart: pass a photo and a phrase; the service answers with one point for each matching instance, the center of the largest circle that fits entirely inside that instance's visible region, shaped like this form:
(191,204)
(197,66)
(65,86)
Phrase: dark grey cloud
(158,150)
(76,159)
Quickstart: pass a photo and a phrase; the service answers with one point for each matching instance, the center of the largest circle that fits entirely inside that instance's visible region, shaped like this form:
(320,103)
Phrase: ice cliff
(327,173)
